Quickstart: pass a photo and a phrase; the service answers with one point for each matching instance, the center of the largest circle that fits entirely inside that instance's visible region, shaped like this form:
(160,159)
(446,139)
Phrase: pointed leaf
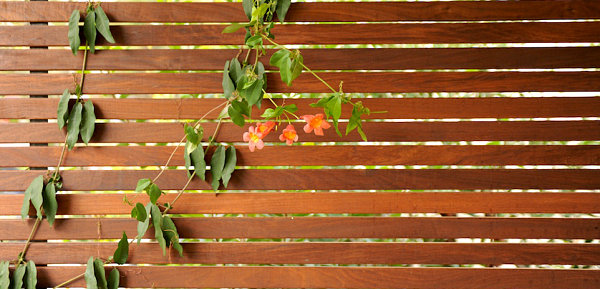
(247,5)
(234,27)
(33,194)
(100,274)
(122,252)
(157,222)
(235,69)
(282,8)
(18,274)
(4,275)
(31,275)
(63,109)
(254,93)
(254,40)
(197,158)
(230,162)
(142,185)
(227,83)
(88,122)
(216,166)
(89,30)
(73,34)
(140,212)
(50,204)
(285,70)
(186,158)
(154,192)
(242,107)
(102,24)
(296,67)
(278,56)
(142,227)
(236,116)
(89,276)
(113,279)
(171,235)
(73,125)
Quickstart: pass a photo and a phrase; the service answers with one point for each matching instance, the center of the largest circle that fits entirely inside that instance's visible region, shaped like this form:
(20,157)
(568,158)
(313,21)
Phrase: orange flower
(264,128)
(315,122)
(289,135)
(254,139)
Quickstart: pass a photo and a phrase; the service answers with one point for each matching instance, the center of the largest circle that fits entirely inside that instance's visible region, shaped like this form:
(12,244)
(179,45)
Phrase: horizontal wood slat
(529,32)
(367,58)
(375,131)
(395,108)
(354,82)
(363,11)
(305,203)
(315,227)
(324,277)
(314,155)
(319,253)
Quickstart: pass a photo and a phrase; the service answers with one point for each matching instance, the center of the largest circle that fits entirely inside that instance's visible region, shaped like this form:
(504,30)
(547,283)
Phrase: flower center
(254,137)
(316,122)
(289,134)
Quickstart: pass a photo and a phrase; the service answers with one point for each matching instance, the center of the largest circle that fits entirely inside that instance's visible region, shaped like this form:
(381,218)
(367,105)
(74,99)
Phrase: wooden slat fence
(476,185)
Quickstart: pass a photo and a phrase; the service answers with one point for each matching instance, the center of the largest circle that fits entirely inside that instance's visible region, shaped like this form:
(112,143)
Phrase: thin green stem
(31,234)
(69,281)
(83,65)
(178,195)
(212,139)
(247,55)
(62,156)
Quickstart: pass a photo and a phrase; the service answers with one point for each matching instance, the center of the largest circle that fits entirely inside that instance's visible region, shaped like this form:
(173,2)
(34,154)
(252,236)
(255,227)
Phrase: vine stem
(31,234)
(83,65)
(62,156)
(69,281)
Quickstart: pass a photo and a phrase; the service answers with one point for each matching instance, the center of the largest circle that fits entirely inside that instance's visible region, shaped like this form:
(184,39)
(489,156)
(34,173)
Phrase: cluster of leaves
(80,120)
(332,106)
(24,276)
(42,196)
(95,20)
(95,276)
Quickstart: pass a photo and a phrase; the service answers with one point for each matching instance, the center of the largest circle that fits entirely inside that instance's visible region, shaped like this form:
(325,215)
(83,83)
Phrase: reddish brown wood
(319,253)
(354,82)
(328,11)
(382,58)
(331,277)
(333,203)
(314,155)
(375,131)
(518,32)
(317,227)
(395,108)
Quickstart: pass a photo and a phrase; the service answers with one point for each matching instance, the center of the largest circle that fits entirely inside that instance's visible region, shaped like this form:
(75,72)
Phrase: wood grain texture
(347,59)
(319,253)
(331,277)
(395,108)
(142,35)
(313,155)
(333,203)
(322,12)
(375,131)
(354,82)
(316,228)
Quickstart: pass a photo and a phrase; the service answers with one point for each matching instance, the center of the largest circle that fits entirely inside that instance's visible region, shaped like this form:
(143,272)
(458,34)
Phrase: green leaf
(102,24)
(88,122)
(154,192)
(216,166)
(197,158)
(31,275)
(254,40)
(282,8)
(63,109)
(285,70)
(322,102)
(50,204)
(142,185)
(187,159)
(89,30)
(247,5)
(254,93)
(296,68)
(113,279)
(140,212)
(228,86)
(100,274)
(73,125)
(335,107)
(236,116)
(17,282)
(278,56)
(242,107)
(122,252)
(290,108)
(230,162)
(259,13)
(272,113)
(234,27)
(235,70)
(4,275)
(33,191)
(142,227)
(157,222)
(89,276)
(171,235)
(73,34)
(193,138)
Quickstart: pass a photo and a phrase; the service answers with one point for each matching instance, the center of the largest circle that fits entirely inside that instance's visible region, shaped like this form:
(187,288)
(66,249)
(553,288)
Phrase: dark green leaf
(282,8)
(272,113)
(290,108)
(18,274)
(247,5)
(259,13)
(90,277)
(31,275)
(228,87)
(187,159)
(73,34)
(278,56)
(235,69)
(154,192)
(254,40)
(73,125)
(234,27)
(142,227)
(63,109)
(113,279)
(50,204)
(230,162)
(236,116)
(335,107)
(322,102)
(33,191)
(88,122)
(216,166)
(296,68)
(197,158)
(157,222)
(100,274)
(254,93)
(142,185)
(140,212)
(242,107)
(89,30)
(193,138)
(4,275)
(102,24)
(122,252)
(285,70)
(171,235)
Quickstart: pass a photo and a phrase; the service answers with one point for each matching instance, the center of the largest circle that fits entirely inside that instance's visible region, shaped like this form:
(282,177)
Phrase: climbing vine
(244,86)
